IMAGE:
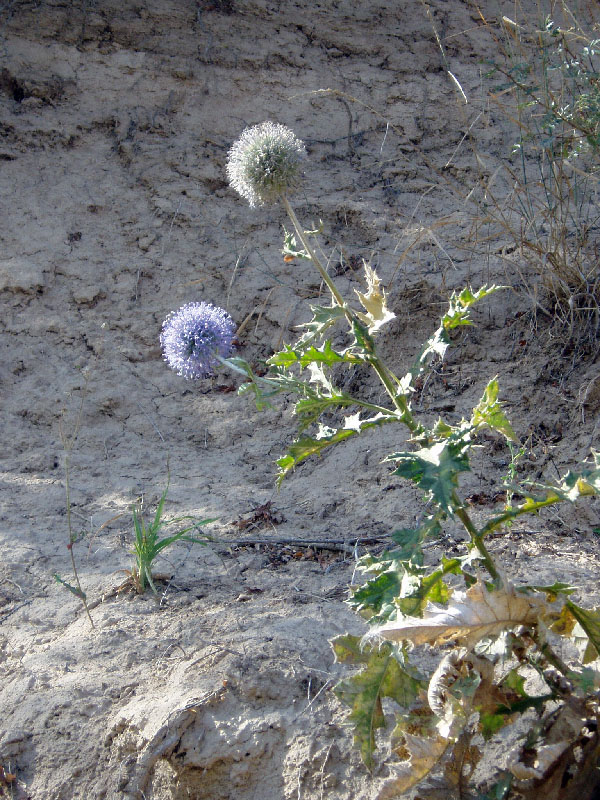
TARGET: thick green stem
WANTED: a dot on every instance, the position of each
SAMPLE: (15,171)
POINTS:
(551,657)
(476,537)
(398,399)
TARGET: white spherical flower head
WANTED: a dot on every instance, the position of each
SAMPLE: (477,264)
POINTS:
(265,163)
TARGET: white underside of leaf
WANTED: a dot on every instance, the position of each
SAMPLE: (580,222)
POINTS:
(472,615)
(374,302)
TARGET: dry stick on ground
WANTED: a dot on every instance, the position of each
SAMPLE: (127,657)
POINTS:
(344,545)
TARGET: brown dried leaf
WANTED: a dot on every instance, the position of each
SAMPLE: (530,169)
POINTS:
(471,616)
(424,755)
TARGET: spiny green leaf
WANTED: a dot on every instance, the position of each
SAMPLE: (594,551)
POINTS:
(374,600)
(323,318)
(307,446)
(284,358)
(457,314)
(312,355)
(409,540)
(382,676)
(573,486)
(441,430)
(418,590)
(262,389)
(327,355)
(460,304)
(489,413)
(290,246)
(310,408)
(348,649)
(435,469)
(363,338)
(580,484)
(552,592)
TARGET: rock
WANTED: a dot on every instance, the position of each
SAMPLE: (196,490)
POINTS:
(21,275)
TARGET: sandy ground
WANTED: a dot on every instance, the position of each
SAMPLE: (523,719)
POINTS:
(115,122)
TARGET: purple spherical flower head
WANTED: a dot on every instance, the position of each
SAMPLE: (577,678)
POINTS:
(194,336)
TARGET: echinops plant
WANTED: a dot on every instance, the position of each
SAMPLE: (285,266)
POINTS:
(495,634)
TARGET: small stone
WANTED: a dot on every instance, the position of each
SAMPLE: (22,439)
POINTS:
(146,241)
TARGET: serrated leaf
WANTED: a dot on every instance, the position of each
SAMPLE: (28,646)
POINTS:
(441,430)
(423,755)
(307,446)
(552,592)
(457,314)
(435,470)
(323,318)
(377,312)
(310,408)
(409,540)
(263,389)
(374,600)
(284,358)
(382,676)
(290,246)
(573,486)
(417,591)
(328,356)
(460,304)
(362,338)
(489,413)
(473,615)
(349,649)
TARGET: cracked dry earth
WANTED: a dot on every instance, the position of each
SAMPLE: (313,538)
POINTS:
(115,122)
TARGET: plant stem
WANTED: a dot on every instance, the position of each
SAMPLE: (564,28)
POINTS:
(313,257)
(550,656)
(71,537)
(398,399)
(68,444)
(476,537)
